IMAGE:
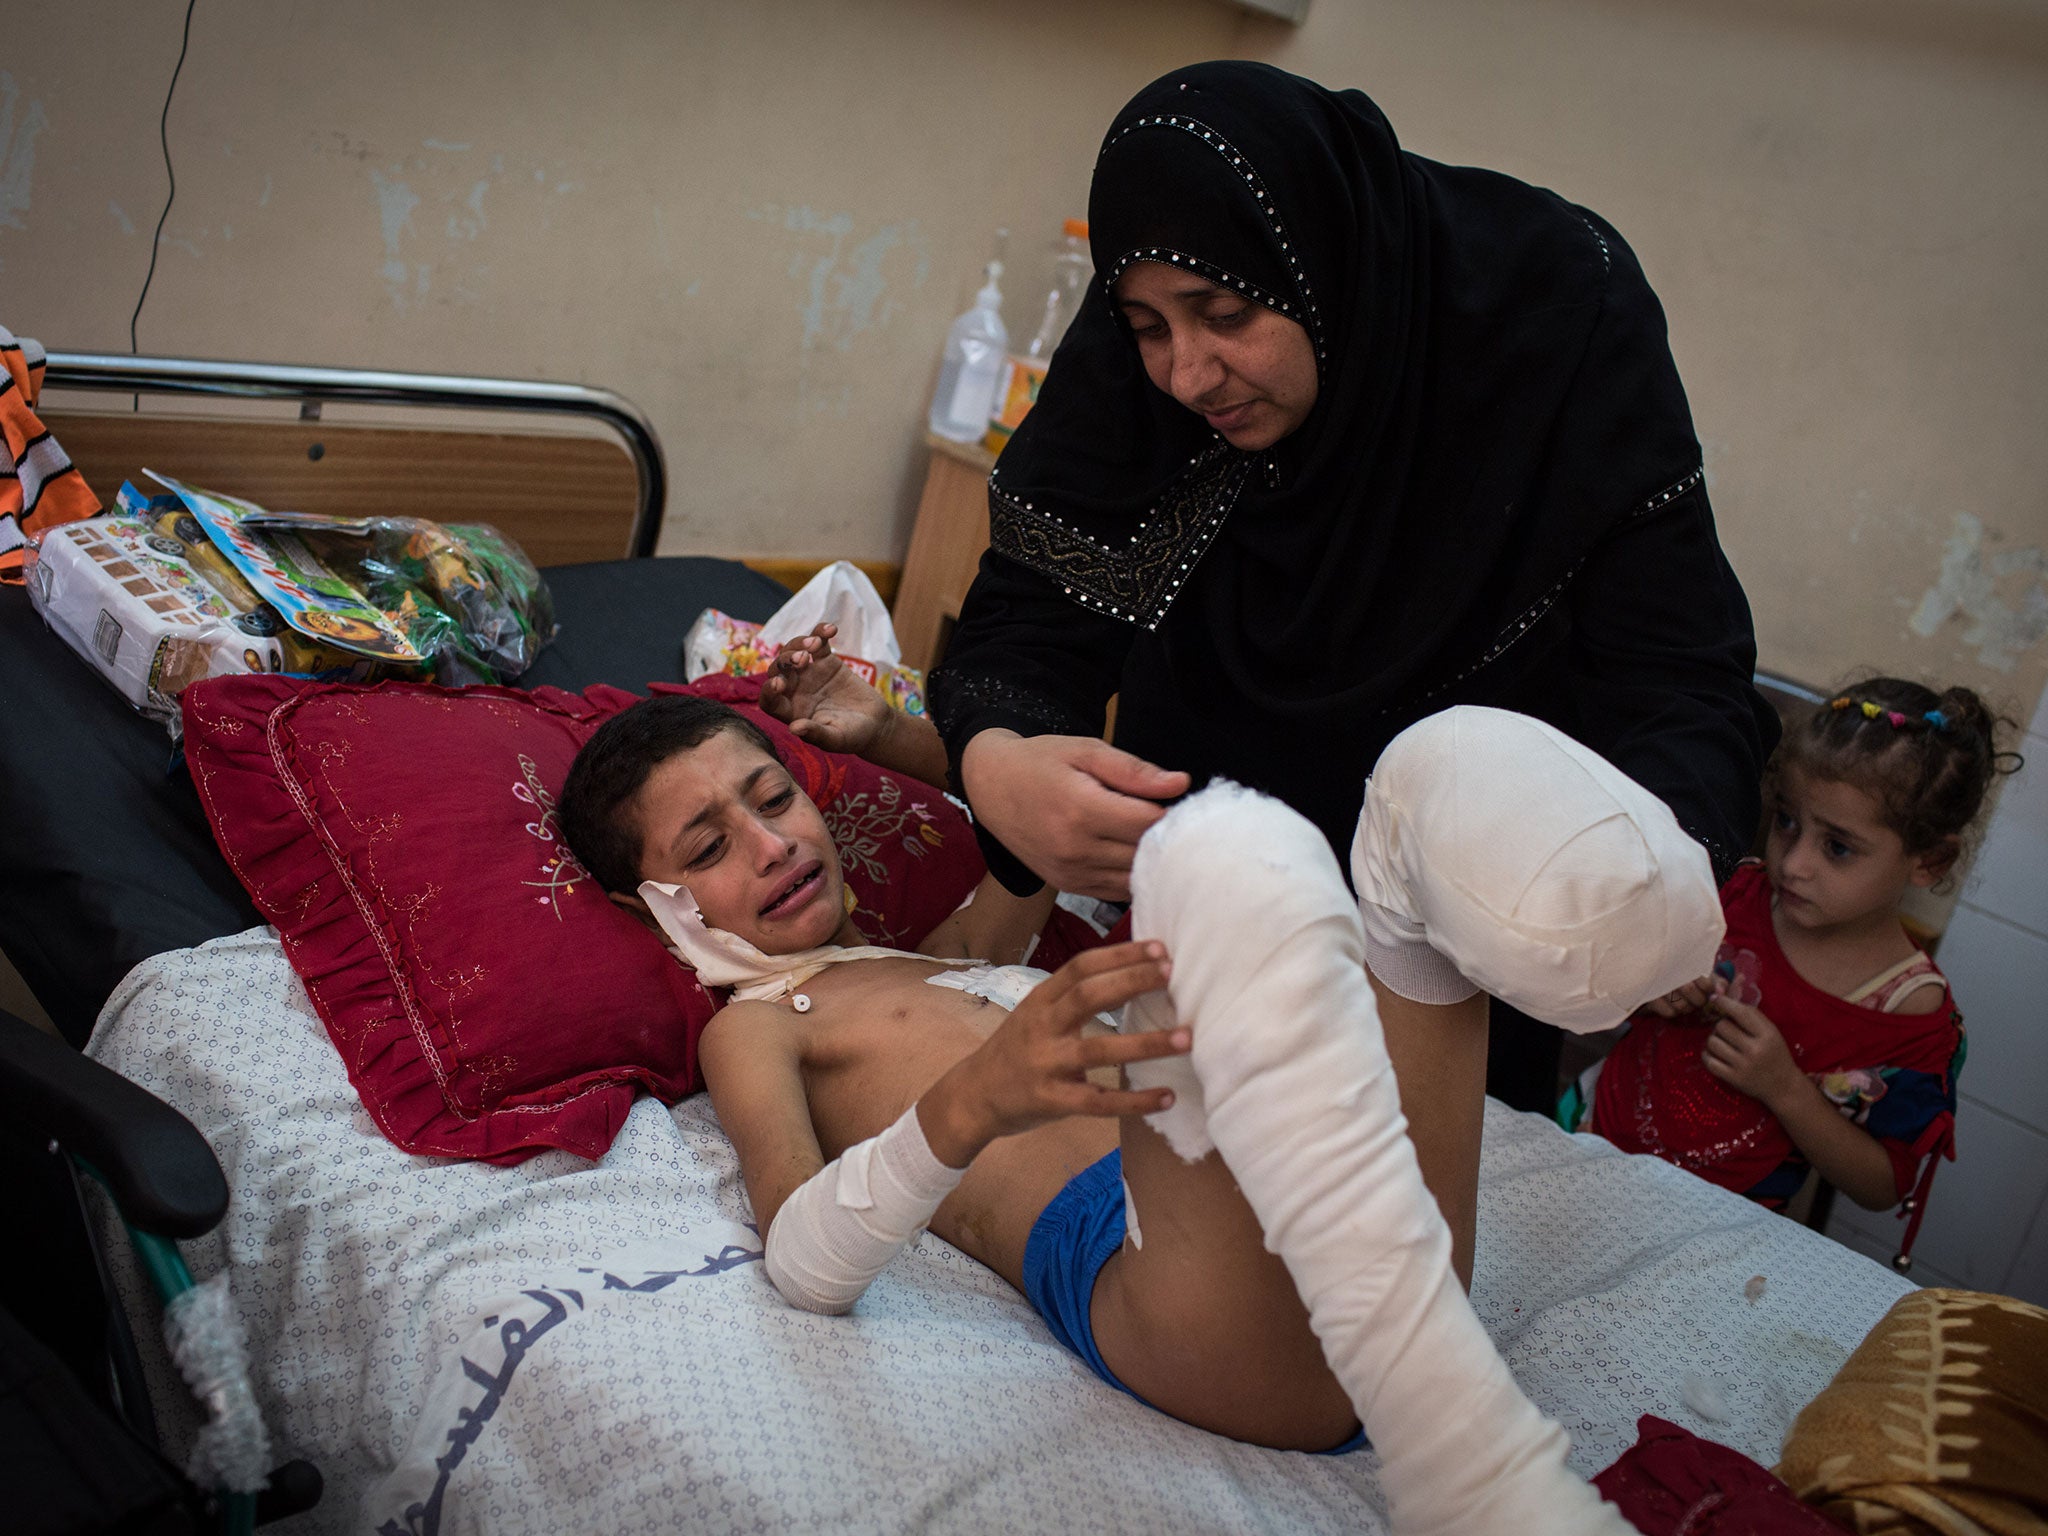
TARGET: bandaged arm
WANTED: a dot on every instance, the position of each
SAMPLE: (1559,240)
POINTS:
(841,1227)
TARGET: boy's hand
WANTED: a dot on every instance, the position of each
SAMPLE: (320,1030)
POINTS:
(1033,1069)
(1746,1052)
(821,699)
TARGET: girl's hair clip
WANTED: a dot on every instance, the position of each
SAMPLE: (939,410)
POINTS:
(1933,719)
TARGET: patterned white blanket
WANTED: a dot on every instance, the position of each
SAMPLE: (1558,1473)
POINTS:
(567,1346)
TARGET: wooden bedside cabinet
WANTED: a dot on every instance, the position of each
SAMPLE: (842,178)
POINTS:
(945,548)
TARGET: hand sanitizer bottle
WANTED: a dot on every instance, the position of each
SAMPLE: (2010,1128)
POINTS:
(972,367)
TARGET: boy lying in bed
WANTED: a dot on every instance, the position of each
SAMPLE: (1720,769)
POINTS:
(1218,1208)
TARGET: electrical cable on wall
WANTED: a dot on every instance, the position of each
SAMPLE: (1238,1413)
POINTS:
(163,132)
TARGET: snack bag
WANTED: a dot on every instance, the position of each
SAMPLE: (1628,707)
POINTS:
(840,593)
(171,523)
(718,642)
(176,588)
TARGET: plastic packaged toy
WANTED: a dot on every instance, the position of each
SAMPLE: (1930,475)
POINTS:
(458,603)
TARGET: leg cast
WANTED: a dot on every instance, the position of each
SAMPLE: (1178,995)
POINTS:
(1495,852)
(1300,1100)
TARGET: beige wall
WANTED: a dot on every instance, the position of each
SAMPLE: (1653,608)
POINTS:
(757,219)
(1841,204)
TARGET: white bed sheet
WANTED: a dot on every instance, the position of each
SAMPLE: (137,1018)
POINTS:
(570,1346)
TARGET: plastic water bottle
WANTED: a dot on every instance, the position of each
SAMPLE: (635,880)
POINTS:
(1023,372)
(973,366)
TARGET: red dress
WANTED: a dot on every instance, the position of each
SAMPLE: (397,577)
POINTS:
(1656,1095)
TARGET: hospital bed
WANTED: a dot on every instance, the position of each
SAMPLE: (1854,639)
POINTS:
(575,1345)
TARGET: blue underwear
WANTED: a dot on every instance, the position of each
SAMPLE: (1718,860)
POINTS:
(1070,1242)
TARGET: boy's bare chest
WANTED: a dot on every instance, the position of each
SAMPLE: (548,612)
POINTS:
(875,1037)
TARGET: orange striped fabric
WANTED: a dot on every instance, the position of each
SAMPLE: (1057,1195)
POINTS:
(39,486)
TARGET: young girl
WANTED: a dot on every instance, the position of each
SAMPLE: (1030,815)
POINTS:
(1825,1039)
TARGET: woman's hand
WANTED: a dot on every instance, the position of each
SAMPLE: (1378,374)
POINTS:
(1034,1068)
(1071,807)
(820,698)
(1746,1052)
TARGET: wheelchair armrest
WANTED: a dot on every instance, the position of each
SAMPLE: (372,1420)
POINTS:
(163,1176)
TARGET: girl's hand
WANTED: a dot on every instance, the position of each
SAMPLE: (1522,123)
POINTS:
(1693,997)
(1033,1069)
(821,699)
(1071,807)
(1746,1052)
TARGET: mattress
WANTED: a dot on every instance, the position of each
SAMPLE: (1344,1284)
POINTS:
(567,1345)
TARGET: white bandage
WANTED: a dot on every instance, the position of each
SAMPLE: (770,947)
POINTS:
(845,1223)
(1496,853)
(723,959)
(1185,1122)
(1301,1102)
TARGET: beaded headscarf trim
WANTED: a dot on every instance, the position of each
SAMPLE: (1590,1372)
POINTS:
(1302,310)
(1138,579)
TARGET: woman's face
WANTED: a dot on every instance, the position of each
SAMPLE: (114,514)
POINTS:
(1247,370)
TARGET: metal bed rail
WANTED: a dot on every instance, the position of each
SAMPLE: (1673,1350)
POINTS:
(1774,685)
(118,373)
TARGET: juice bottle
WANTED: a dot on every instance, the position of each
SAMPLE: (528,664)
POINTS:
(1023,372)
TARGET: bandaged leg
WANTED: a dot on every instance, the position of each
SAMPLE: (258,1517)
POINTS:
(1495,853)
(1298,1096)
(842,1226)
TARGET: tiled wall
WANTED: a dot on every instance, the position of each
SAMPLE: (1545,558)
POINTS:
(1987,1224)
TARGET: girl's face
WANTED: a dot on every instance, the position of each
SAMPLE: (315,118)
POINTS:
(726,820)
(1832,860)
(1247,370)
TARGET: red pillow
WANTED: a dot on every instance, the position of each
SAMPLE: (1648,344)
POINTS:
(488,999)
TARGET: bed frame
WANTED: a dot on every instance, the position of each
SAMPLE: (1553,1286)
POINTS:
(566,495)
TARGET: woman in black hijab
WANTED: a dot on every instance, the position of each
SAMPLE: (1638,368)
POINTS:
(1461,470)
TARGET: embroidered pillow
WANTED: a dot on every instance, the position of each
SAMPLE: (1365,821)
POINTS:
(488,1000)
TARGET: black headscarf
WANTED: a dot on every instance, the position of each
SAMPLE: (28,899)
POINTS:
(1496,392)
